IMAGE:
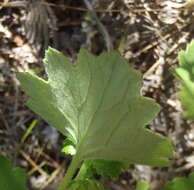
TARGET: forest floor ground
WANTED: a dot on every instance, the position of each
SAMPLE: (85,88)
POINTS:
(149,34)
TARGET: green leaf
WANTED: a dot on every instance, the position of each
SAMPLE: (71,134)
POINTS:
(104,168)
(97,105)
(90,167)
(181,183)
(142,185)
(87,184)
(11,178)
(185,73)
(69,147)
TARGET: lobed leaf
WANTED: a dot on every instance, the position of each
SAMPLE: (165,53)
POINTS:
(97,105)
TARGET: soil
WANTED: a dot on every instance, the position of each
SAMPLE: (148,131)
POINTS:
(149,34)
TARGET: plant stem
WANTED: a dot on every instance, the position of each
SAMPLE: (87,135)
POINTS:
(82,172)
(70,172)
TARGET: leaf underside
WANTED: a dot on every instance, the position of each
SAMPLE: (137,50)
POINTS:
(97,105)
(11,178)
(185,73)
